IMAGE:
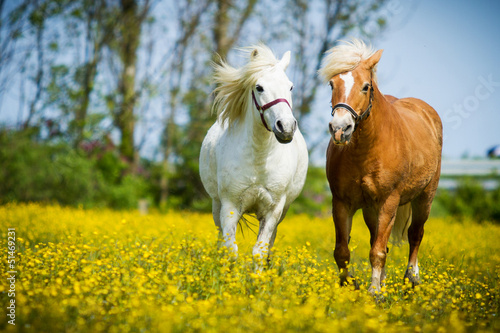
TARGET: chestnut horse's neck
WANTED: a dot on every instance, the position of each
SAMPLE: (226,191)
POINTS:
(381,118)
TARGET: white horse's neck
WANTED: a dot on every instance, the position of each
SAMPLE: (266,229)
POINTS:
(256,134)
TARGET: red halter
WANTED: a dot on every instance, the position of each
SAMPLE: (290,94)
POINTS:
(264,107)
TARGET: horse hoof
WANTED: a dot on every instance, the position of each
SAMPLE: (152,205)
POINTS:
(374,291)
(349,281)
(412,277)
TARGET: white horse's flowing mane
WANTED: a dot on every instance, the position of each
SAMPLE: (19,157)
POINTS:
(234,84)
(345,57)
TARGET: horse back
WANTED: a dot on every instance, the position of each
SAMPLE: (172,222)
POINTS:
(419,118)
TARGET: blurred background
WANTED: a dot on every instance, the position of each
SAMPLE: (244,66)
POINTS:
(105,103)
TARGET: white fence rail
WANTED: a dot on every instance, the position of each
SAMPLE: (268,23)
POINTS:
(453,170)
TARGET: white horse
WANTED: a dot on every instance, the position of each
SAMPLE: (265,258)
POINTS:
(253,159)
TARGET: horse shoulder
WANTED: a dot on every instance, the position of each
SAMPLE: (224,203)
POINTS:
(302,163)
(288,163)
(235,169)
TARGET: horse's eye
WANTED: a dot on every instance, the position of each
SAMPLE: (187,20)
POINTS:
(365,87)
(259,88)
(331,84)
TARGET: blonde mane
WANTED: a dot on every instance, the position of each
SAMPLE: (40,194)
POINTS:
(345,57)
(234,84)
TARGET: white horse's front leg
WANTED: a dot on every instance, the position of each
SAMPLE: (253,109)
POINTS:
(267,234)
(229,218)
(264,242)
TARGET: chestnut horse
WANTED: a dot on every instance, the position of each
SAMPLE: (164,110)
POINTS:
(384,157)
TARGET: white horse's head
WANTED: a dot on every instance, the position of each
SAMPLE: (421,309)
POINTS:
(261,88)
(272,98)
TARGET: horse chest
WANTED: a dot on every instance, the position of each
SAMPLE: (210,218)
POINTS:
(349,190)
(255,193)
(358,187)
(255,181)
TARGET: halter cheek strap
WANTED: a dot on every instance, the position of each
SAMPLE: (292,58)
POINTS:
(264,107)
(357,118)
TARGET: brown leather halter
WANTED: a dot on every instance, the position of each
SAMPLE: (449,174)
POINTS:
(357,118)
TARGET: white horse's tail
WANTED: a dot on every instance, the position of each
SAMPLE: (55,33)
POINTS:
(399,232)
(244,221)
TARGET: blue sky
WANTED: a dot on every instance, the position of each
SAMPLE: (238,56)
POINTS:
(447,53)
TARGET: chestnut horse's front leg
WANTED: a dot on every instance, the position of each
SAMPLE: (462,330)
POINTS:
(342,218)
(378,252)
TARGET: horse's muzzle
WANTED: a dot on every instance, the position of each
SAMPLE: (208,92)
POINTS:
(341,135)
(284,131)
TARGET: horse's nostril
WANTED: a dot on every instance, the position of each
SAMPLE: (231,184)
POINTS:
(348,128)
(279,126)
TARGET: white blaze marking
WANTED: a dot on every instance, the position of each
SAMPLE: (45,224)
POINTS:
(348,83)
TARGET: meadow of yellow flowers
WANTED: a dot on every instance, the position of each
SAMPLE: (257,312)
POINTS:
(105,271)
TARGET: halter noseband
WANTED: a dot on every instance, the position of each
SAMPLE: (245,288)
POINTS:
(264,107)
(357,118)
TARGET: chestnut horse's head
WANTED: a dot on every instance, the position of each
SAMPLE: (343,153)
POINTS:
(350,71)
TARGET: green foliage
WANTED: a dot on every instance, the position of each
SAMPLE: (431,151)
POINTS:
(111,166)
(470,200)
(127,193)
(315,198)
(32,171)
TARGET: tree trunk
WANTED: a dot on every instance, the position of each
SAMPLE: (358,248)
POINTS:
(82,110)
(169,148)
(221,28)
(227,29)
(125,120)
(96,42)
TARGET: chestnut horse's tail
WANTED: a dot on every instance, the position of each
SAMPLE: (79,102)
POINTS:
(403,220)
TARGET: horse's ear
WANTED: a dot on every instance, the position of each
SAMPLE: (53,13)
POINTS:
(285,61)
(374,59)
